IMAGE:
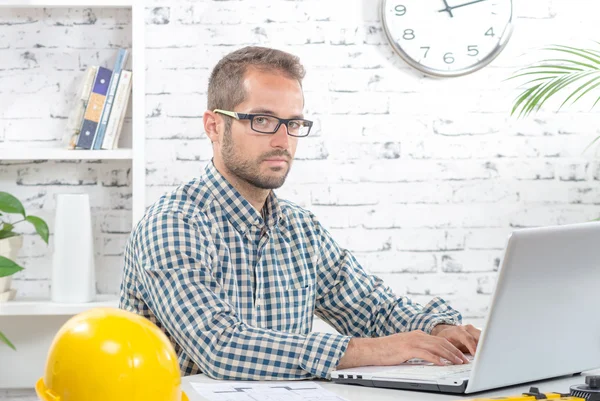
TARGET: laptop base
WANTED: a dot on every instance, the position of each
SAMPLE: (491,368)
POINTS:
(433,387)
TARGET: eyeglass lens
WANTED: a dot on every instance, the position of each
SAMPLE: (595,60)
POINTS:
(269,124)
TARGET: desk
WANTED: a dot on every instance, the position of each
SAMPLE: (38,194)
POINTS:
(359,393)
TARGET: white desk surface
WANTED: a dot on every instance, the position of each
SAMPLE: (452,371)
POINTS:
(359,393)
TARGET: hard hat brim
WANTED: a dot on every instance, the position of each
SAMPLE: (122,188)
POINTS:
(42,391)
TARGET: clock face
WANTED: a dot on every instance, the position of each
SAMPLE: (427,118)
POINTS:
(447,37)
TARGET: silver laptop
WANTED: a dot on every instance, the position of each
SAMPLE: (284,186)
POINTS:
(543,320)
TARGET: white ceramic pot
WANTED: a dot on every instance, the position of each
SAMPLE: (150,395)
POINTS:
(9,248)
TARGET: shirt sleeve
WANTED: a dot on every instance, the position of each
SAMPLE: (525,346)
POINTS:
(179,283)
(361,305)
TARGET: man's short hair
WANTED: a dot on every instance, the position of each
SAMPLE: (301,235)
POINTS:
(225,86)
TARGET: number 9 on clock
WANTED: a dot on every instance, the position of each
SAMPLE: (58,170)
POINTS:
(447,38)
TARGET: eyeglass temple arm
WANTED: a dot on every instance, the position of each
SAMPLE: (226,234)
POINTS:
(227,113)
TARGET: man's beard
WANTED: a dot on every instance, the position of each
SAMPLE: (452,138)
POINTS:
(249,171)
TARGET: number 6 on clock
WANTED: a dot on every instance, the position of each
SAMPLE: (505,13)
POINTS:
(447,38)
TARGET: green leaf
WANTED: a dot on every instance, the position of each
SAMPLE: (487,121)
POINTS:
(596,102)
(593,52)
(6,341)
(7,231)
(563,82)
(524,97)
(590,145)
(553,75)
(580,64)
(8,234)
(549,62)
(585,88)
(534,98)
(10,204)
(7,227)
(540,73)
(533,102)
(577,52)
(40,227)
(8,267)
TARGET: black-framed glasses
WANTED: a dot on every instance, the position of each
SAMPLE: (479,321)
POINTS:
(267,124)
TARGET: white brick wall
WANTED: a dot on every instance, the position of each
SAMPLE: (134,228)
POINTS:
(423,178)
(43,53)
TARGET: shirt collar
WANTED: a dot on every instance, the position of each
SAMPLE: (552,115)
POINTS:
(237,209)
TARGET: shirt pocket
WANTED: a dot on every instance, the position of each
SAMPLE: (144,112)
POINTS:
(289,309)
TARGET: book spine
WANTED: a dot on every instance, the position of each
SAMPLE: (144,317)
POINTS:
(88,82)
(115,123)
(94,108)
(119,65)
(75,119)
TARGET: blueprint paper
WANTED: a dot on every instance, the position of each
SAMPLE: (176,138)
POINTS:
(275,391)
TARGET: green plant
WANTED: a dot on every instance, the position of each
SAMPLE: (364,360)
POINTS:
(550,76)
(11,205)
(574,72)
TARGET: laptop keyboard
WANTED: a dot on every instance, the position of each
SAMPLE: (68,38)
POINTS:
(429,371)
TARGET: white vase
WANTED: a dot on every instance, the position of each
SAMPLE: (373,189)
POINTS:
(73,273)
(9,248)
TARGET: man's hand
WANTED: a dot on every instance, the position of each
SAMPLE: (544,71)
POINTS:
(465,338)
(399,348)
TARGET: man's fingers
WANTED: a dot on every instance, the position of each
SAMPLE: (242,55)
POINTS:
(462,338)
(476,333)
(448,345)
(473,335)
(469,341)
(458,347)
(446,349)
(427,356)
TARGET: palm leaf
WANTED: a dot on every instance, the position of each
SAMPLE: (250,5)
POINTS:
(553,75)
(568,80)
(524,96)
(588,86)
(5,340)
(584,53)
(580,67)
(590,145)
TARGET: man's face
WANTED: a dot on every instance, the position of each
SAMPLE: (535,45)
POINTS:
(263,160)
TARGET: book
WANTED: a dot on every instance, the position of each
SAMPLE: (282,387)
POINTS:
(93,111)
(117,116)
(75,119)
(119,65)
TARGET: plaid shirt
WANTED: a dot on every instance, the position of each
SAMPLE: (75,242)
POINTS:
(236,294)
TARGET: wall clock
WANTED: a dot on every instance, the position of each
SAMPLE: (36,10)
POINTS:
(447,38)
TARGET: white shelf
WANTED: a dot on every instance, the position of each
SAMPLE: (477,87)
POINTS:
(66,3)
(32,324)
(33,307)
(64,154)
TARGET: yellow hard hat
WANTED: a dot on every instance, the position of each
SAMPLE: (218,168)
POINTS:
(108,354)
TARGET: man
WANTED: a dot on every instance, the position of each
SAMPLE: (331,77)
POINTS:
(233,275)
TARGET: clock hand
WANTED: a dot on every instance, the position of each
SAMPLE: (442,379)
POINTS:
(449,9)
(468,4)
